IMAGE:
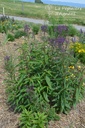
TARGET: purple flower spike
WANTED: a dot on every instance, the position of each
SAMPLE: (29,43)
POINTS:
(57,41)
(60,40)
(7,58)
(44,28)
(26,28)
(81,31)
(61,28)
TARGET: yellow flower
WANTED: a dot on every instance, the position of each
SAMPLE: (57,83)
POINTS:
(79,67)
(81,51)
(72,75)
(66,77)
(71,67)
(83,84)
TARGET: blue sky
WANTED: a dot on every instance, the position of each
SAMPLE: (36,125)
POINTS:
(73,1)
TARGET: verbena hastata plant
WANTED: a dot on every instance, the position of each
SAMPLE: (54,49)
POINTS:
(48,79)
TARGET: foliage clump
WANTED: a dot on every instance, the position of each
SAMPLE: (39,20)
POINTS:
(46,80)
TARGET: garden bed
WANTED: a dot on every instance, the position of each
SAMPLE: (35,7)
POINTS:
(8,119)
(43,75)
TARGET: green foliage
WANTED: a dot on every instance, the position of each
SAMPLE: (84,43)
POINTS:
(9,66)
(5,24)
(51,114)
(31,119)
(19,33)
(72,31)
(9,25)
(46,79)
(35,29)
(60,20)
(10,37)
(44,72)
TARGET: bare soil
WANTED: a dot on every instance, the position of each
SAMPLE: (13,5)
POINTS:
(8,119)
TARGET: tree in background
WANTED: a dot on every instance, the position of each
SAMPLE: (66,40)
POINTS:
(38,1)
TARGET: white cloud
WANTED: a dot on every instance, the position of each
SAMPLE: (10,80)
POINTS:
(76,1)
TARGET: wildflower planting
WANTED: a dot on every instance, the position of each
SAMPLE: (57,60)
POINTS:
(12,28)
(45,79)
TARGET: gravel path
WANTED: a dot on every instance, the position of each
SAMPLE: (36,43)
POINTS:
(39,21)
(78,27)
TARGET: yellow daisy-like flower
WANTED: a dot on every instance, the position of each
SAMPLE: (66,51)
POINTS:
(71,67)
(81,51)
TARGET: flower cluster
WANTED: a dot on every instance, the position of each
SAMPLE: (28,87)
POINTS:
(44,28)
(71,67)
(58,42)
(79,51)
(78,47)
(7,58)
(60,29)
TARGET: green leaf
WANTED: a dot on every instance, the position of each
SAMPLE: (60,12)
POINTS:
(48,82)
(46,59)
(45,96)
(77,94)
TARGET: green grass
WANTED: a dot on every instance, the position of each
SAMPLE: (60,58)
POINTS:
(41,11)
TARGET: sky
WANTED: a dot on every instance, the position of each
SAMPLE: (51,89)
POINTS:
(73,1)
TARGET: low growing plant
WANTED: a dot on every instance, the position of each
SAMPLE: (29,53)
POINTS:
(10,37)
(31,119)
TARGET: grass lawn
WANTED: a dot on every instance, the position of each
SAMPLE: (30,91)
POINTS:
(43,11)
